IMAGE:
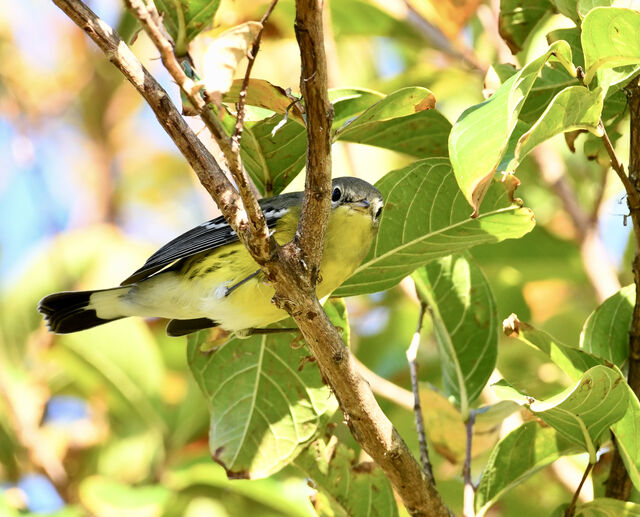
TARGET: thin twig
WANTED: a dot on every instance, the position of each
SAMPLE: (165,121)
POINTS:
(242,96)
(572,507)
(469,488)
(412,353)
(257,226)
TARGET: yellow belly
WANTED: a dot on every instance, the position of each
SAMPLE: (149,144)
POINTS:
(199,288)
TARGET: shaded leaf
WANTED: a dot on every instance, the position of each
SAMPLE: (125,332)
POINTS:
(426,217)
(609,40)
(266,398)
(516,457)
(518,18)
(573,37)
(349,102)
(273,160)
(465,322)
(585,411)
(479,138)
(606,331)
(445,426)
(352,489)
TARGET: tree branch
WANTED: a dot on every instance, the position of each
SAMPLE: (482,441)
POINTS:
(619,483)
(369,425)
(319,111)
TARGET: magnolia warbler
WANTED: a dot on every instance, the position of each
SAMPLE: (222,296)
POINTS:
(206,278)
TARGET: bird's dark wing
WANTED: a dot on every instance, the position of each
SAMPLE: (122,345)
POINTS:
(207,236)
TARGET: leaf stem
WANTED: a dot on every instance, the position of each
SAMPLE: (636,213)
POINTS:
(412,353)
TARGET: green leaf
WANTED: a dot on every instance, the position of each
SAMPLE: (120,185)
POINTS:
(109,358)
(568,8)
(516,457)
(584,6)
(606,331)
(479,138)
(266,399)
(518,18)
(605,507)
(609,40)
(425,218)
(104,496)
(349,102)
(573,108)
(573,361)
(572,36)
(465,322)
(351,489)
(585,411)
(185,19)
(627,433)
(270,496)
(264,94)
(273,160)
(390,121)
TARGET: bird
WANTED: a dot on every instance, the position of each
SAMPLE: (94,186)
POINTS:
(206,278)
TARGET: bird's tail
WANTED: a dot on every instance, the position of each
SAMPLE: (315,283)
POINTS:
(78,310)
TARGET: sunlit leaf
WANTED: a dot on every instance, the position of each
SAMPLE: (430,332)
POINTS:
(426,217)
(606,331)
(465,323)
(223,55)
(265,95)
(351,489)
(572,360)
(185,19)
(585,411)
(606,507)
(479,138)
(609,40)
(403,102)
(516,457)
(266,398)
(518,18)
(573,108)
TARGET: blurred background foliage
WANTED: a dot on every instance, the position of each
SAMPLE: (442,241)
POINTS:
(110,421)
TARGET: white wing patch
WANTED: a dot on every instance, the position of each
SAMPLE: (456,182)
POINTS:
(210,225)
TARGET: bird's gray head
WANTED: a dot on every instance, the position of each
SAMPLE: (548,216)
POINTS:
(357,194)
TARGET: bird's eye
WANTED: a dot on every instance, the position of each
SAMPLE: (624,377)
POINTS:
(336,194)
(378,213)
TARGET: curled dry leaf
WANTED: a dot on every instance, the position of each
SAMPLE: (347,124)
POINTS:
(223,55)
